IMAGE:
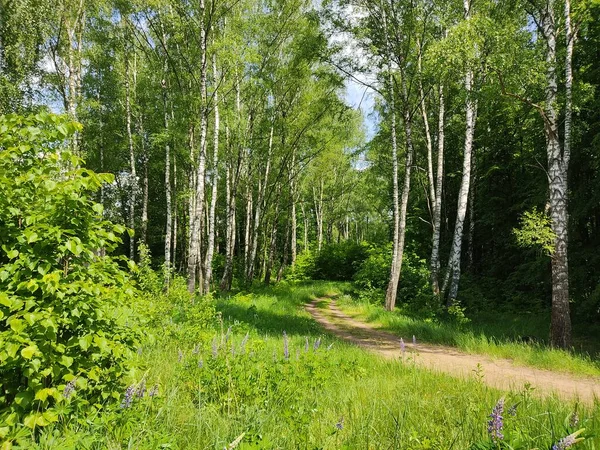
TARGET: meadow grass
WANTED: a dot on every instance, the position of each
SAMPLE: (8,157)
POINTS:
(496,336)
(234,380)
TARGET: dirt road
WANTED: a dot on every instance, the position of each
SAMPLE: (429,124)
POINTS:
(499,373)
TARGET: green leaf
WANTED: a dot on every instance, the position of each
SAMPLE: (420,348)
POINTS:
(12,254)
(29,352)
(66,361)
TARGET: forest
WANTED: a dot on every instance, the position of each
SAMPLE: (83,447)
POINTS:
(269,224)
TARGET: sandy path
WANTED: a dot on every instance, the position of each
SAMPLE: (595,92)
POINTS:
(498,373)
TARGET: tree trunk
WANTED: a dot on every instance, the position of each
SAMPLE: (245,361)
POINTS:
(471,208)
(194,255)
(215,180)
(400,210)
(132,176)
(169,208)
(230,192)
(145,186)
(558,163)
(437,212)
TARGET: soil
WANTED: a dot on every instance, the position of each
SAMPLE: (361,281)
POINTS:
(498,373)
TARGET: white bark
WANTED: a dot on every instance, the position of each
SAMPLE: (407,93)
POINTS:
(437,212)
(132,175)
(169,207)
(215,179)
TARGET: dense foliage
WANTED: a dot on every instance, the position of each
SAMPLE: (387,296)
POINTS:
(64,338)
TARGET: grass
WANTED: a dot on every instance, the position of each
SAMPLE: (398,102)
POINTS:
(496,336)
(337,397)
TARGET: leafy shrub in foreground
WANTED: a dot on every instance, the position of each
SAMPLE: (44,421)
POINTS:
(62,343)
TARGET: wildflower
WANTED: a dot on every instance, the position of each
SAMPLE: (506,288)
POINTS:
(227,335)
(414,341)
(340,424)
(215,350)
(305,344)
(574,420)
(200,363)
(139,351)
(196,349)
(568,441)
(244,342)
(180,355)
(402,346)
(286,350)
(317,344)
(128,399)
(512,411)
(69,388)
(330,346)
(141,390)
(154,391)
(496,422)
(232,350)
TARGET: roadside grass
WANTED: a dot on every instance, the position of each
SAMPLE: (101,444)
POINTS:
(235,382)
(497,337)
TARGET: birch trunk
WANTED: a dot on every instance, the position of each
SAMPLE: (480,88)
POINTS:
(133,175)
(169,208)
(215,179)
(194,257)
(145,186)
(437,212)
(401,209)
(558,163)
(230,192)
(463,195)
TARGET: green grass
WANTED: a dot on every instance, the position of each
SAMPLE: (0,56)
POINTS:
(495,336)
(295,403)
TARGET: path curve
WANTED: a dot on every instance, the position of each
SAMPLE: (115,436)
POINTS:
(498,373)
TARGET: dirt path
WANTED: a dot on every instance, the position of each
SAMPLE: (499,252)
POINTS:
(498,373)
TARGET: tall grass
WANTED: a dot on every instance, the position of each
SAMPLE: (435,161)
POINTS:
(334,396)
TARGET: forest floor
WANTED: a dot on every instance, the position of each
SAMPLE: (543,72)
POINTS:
(498,373)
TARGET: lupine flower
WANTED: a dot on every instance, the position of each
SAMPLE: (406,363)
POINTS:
(154,391)
(496,422)
(227,335)
(317,344)
(330,346)
(286,350)
(243,344)
(196,349)
(141,390)
(215,349)
(402,346)
(414,341)
(200,363)
(232,350)
(305,344)
(139,351)
(128,399)
(69,388)
(574,420)
(340,424)
(179,355)
(568,441)
(512,411)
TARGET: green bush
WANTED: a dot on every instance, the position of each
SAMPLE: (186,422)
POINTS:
(64,338)
(339,261)
(304,267)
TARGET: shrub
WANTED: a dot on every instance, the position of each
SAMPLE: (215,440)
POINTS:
(339,261)
(304,267)
(64,340)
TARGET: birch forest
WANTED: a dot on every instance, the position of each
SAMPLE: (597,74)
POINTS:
(194,195)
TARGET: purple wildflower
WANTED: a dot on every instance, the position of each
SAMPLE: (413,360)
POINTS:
(227,335)
(568,441)
(340,424)
(154,391)
(200,363)
(128,399)
(317,344)
(244,342)
(496,422)
(196,349)
(286,350)
(215,349)
(141,389)
(179,355)
(330,346)
(305,344)
(69,388)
